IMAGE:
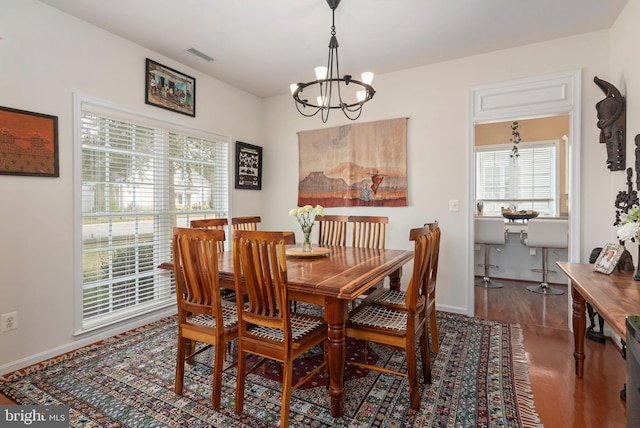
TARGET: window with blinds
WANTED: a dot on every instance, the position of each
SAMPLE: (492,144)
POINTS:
(140,178)
(530,182)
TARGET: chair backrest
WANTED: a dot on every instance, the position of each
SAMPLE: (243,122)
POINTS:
(260,269)
(435,255)
(547,233)
(195,267)
(211,224)
(332,230)
(423,249)
(488,230)
(368,231)
(245,223)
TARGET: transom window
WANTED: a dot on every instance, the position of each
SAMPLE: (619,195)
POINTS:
(530,182)
(139,179)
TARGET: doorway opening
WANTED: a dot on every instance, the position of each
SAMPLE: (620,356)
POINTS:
(526,101)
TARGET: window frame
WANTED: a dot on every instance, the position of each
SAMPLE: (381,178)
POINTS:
(555,172)
(162,229)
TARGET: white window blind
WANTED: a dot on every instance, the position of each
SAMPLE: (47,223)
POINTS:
(138,182)
(529,182)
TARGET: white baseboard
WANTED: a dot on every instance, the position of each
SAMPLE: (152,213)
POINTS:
(86,340)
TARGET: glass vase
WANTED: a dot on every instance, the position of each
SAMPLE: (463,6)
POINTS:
(306,242)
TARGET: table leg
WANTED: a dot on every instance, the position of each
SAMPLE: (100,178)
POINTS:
(394,279)
(579,324)
(336,313)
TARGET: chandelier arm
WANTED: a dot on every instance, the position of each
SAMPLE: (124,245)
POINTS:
(307,114)
(325,82)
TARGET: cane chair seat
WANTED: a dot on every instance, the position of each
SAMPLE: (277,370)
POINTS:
(300,326)
(397,298)
(229,317)
(388,297)
(380,317)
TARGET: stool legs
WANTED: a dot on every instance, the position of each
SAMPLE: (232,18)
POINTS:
(544,288)
(485,281)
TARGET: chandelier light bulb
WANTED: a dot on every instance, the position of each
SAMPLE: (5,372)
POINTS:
(322,101)
(361,95)
(293,88)
(321,72)
(367,77)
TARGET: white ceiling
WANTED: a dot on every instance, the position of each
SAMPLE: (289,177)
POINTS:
(262,46)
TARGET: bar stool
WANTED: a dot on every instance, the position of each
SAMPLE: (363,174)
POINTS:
(545,234)
(489,231)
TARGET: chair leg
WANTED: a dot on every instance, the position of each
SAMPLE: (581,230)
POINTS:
(486,281)
(181,354)
(433,328)
(218,362)
(544,288)
(412,373)
(425,356)
(241,375)
(287,387)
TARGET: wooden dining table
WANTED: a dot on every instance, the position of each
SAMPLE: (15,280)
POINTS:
(332,281)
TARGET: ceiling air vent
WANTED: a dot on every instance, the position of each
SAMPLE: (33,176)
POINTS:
(199,54)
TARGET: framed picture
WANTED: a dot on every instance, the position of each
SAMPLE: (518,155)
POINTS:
(248,166)
(28,143)
(608,258)
(169,89)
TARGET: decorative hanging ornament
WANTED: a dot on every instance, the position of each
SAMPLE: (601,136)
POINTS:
(515,139)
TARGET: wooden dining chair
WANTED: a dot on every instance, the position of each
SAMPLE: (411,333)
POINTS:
(267,327)
(397,298)
(203,317)
(211,224)
(245,223)
(332,230)
(368,231)
(400,328)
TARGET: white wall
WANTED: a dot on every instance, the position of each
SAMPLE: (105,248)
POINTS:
(435,98)
(45,57)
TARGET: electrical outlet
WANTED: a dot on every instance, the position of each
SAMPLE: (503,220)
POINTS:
(9,321)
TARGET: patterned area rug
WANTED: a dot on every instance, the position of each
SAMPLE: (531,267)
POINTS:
(479,379)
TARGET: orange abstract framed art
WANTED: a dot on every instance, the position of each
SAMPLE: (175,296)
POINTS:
(28,143)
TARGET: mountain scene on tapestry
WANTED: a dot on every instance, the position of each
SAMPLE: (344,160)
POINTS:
(362,164)
(480,378)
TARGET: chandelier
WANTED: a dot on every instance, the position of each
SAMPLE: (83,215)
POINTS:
(330,87)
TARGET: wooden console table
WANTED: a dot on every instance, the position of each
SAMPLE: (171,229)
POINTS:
(613,296)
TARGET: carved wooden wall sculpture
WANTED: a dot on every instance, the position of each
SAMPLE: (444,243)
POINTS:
(612,121)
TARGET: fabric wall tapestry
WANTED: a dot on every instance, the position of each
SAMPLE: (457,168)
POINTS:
(361,164)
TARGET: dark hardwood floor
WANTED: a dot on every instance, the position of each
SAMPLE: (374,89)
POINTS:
(560,398)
